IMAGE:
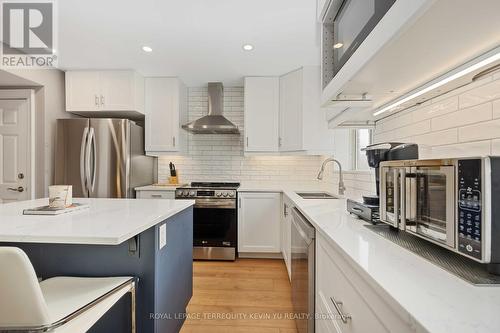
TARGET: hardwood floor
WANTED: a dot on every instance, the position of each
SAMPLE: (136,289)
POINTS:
(245,296)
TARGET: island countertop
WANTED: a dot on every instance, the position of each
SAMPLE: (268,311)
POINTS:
(105,222)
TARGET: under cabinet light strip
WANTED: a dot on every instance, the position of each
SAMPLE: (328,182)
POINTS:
(478,63)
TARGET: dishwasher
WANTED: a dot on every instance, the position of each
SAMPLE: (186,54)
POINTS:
(303,272)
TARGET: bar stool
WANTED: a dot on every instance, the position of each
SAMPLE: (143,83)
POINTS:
(59,304)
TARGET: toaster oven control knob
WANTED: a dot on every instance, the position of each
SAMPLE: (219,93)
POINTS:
(469,248)
(191,193)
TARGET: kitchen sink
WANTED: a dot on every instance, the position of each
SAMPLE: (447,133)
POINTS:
(316,195)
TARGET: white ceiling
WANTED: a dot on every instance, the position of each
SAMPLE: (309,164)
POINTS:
(197,40)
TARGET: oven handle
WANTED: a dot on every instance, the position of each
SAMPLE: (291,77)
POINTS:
(211,203)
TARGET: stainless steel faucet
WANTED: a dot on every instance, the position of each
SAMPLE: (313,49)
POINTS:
(341,178)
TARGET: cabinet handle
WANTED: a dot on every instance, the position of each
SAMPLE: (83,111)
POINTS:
(279,142)
(239,202)
(155,195)
(102,100)
(173,141)
(345,318)
(247,141)
(96,100)
(285,210)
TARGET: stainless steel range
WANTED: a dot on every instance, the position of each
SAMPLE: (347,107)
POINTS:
(215,219)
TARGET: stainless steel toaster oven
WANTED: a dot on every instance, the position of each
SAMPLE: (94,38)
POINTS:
(454,203)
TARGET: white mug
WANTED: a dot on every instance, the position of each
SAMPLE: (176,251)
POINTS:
(60,196)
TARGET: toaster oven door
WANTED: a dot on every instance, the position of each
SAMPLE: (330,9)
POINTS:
(393,196)
(431,211)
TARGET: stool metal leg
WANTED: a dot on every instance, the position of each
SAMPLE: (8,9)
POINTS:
(132,306)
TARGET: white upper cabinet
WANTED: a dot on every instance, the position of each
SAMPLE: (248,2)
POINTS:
(105,93)
(283,114)
(166,111)
(302,121)
(262,114)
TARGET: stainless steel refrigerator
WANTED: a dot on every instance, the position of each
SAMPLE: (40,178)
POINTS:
(102,158)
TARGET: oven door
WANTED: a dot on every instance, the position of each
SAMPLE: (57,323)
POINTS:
(432,203)
(393,196)
(215,223)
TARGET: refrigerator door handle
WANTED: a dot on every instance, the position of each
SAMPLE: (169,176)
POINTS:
(83,156)
(87,159)
(94,158)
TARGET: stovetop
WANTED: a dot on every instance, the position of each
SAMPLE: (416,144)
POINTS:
(213,185)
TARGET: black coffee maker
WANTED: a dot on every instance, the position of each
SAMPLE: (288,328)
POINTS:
(376,153)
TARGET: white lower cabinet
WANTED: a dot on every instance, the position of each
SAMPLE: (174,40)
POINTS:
(286,233)
(155,194)
(259,222)
(347,303)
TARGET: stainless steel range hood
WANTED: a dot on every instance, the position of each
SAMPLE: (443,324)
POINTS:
(214,122)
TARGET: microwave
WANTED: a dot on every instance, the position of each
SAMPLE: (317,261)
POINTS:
(346,24)
(454,203)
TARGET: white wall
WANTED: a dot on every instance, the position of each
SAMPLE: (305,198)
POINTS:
(463,122)
(220,157)
(50,105)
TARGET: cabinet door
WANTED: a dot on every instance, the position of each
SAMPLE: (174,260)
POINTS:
(117,90)
(291,111)
(162,114)
(261,114)
(259,222)
(82,91)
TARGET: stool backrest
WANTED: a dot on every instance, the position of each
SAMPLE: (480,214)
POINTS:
(21,299)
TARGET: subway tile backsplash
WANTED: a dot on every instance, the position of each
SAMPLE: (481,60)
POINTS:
(221,157)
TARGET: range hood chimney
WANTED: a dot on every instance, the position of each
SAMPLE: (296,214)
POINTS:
(214,122)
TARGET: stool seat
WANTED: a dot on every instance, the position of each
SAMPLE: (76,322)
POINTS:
(60,304)
(66,295)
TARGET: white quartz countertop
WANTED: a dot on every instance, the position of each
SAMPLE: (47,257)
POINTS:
(105,222)
(437,300)
(268,186)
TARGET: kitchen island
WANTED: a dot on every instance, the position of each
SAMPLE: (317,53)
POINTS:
(148,239)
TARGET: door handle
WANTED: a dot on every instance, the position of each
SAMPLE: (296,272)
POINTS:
(344,317)
(18,189)
(94,158)
(102,100)
(83,158)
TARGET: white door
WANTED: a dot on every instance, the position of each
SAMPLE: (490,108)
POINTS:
(14,150)
(291,111)
(82,91)
(117,90)
(162,114)
(259,222)
(261,114)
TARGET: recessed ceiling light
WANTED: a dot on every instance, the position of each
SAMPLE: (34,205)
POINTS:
(248,47)
(147,49)
(338,45)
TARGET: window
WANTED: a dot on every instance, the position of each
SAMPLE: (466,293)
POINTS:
(362,138)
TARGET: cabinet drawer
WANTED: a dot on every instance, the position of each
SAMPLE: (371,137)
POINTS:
(334,286)
(156,194)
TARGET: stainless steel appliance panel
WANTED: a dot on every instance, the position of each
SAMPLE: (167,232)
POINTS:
(303,272)
(142,167)
(71,154)
(109,162)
